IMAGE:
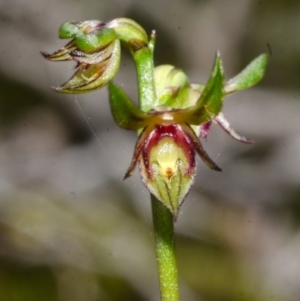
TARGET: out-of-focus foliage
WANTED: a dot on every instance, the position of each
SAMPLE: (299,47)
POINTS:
(70,229)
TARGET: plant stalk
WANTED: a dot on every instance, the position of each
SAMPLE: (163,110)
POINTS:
(163,223)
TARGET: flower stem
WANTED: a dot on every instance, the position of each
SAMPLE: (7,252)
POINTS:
(162,218)
(143,59)
(165,252)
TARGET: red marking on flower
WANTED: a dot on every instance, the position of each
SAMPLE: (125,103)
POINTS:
(181,139)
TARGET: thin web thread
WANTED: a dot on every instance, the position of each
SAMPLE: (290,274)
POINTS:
(135,188)
(90,126)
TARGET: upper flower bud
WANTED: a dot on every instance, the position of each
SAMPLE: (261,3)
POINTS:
(95,46)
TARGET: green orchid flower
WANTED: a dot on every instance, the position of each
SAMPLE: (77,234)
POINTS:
(173,119)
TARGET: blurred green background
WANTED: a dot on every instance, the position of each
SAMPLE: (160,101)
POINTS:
(72,230)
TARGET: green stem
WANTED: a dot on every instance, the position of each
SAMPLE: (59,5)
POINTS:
(165,252)
(144,67)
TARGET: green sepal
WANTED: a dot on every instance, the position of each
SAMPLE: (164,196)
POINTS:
(250,76)
(125,113)
(96,40)
(210,101)
(212,95)
(68,30)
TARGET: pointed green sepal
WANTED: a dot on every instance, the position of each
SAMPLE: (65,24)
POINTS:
(126,114)
(212,95)
(210,101)
(250,76)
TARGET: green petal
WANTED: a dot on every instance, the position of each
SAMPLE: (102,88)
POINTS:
(250,76)
(126,114)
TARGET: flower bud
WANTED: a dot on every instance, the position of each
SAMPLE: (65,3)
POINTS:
(173,88)
(95,48)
